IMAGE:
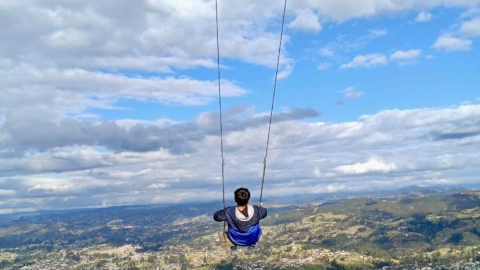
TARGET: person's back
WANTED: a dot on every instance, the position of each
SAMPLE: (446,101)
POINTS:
(243,219)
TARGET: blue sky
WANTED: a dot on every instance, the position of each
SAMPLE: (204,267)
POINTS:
(426,81)
(107,103)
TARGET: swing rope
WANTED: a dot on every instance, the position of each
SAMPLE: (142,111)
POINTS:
(220,109)
(271,110)
(273,103)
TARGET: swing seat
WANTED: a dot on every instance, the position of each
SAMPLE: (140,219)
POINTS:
(224,240)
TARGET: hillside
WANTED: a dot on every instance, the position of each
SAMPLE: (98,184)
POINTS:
(356,233)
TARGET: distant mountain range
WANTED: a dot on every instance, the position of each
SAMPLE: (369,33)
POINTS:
(327,198)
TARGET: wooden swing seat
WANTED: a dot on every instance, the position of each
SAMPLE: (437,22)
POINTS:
(224,240)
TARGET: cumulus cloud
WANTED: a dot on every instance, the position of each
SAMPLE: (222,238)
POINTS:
(372,165)
(470,12)
(372,60)
(164,35)
(155,36)
(80,82)
(159,35)
(135,137)
(424,17)
(285,72)
(471,28)
(306,20)
(449,44)
(344,10)
(428,145)
(179,34)
(405,56)
(459,37)
(369,60)
(349,93)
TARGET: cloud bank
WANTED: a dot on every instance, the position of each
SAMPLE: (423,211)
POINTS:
(174,162)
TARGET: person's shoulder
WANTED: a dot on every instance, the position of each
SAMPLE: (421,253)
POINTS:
(230,208)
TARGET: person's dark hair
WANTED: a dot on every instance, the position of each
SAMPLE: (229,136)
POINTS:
(242,195)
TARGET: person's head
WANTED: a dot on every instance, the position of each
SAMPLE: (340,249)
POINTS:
(242,196)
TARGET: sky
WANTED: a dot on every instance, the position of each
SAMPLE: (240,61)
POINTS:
(115,102)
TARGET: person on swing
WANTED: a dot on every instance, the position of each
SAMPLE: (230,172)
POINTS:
(243,220)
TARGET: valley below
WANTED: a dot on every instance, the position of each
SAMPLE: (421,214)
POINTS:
(415,229)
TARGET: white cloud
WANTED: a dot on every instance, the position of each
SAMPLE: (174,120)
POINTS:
(448,44)
(128,123)
(336,188)
(424,16)
(404,56)
(156,36)
(162,36)
(326,52)
(4,192)
(306,20)
(324,66)
(471,12)
(426,145)
(351,93)
(369,60)
(372,165)
(81,85)
(471,28)
(458,38)
(372,60)
(152,63)
(157,186)
(343,10)
(342,44)
(285,72)
(374,33)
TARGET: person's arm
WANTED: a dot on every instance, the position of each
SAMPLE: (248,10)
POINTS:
(220,216)
(262,212)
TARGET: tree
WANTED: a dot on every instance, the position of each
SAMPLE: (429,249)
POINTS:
(151,259)
(182,259)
